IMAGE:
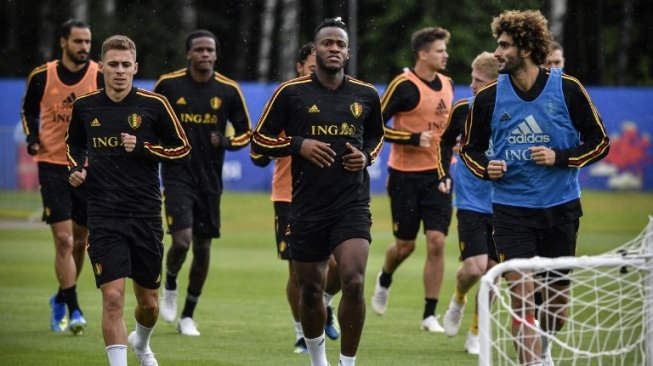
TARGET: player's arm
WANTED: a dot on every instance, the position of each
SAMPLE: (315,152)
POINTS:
(267,138)
(239,118)
(258,159)
(76,149)
(400,97)
(449,139)
(31,108)
(373,134)
(595,142)
(477,133)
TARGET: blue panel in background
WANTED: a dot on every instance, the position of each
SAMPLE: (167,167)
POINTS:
(626,112)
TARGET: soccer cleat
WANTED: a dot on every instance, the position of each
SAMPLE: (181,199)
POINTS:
(331,327)
(77,323)
(58,319)
(168,305)
(145,357)
(186,326)
(300,346)
(453,317)
(380,297)
(431,324)
(472,344)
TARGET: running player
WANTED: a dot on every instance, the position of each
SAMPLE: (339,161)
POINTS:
(473,200)
(333,129)
(420,101)
(281,198)
(51,90)
(124,132)
(543,127)
(204,101)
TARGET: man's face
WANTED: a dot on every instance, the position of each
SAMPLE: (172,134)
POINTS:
(308,67)
(555,59)
(331,49)
(119,68)
(202,54)
(479,80)
(77,46)
(435,55)
(509,56)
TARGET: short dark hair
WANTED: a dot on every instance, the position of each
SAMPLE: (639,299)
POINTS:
(423,38)
(199,34)
(69,24)
(556,46)
(331,22)
(304,52)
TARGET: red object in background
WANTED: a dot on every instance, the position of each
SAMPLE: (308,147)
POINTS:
(27,170)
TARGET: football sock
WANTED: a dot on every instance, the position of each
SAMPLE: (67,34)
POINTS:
(189,306)
(142,339)
(70,295)
(429,307)
(328,298)
(299,331)
(347,361)
(474,327)
(117,354)
(171,281)
(317,351)
(385,279)
(460,297)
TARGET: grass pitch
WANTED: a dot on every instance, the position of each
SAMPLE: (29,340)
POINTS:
(242,314)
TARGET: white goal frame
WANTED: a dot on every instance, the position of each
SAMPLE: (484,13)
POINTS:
(637,253)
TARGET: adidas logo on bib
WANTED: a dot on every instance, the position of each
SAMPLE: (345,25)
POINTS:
(528,132)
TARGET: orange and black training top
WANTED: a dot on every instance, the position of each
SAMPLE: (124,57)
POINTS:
(51,90)
(416,105)
(122,184)
(303,108)
(203,109)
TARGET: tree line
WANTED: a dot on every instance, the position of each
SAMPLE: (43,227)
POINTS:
(606,42)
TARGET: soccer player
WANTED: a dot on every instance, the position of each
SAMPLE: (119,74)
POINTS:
(333,129)
(204,101)
(51,90)
(281,198)
(473,201)
(420,101)
(124,132)
(556,57)
(543,127)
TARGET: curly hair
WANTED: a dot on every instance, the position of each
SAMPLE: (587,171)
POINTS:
(528,29)
(424,37)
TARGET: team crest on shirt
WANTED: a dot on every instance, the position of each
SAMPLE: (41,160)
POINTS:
(134,120)
(97,269)
(216,103)
(462,246)
(356,109)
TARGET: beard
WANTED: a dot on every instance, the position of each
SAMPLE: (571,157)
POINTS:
(77,58)
(512,65)
(331,70)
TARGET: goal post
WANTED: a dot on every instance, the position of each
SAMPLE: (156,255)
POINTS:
(609,311)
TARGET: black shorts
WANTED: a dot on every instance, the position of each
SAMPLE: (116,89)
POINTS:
(188,208)
(119,247)
(475,235)
(315,241)
(281,211)
(61,201)
(519,241)
(414,197)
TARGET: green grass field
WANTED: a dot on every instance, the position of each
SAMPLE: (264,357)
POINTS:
(243,314)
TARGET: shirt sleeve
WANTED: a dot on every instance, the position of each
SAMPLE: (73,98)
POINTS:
(239,118)
(76,149)
(400,96)
(373,134)
(586,119)
(449,139)
(266,138)
(172,144)
(31,108)
(476,137)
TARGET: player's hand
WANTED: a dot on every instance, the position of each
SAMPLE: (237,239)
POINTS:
(542,155)
(215,138)
(445,185)
(317,152)
(425,139)
(77,178)
(496,169)
(128,141)
(355,160)
(33,149)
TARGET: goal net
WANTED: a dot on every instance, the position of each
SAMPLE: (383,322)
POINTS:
(609,319)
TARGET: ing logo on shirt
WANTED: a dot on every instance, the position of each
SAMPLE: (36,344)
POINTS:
(345,129)
(216,103)
(134,120)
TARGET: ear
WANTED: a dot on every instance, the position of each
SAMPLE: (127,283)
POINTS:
(525,53)
(62,42)
(348,54)
(135,68)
